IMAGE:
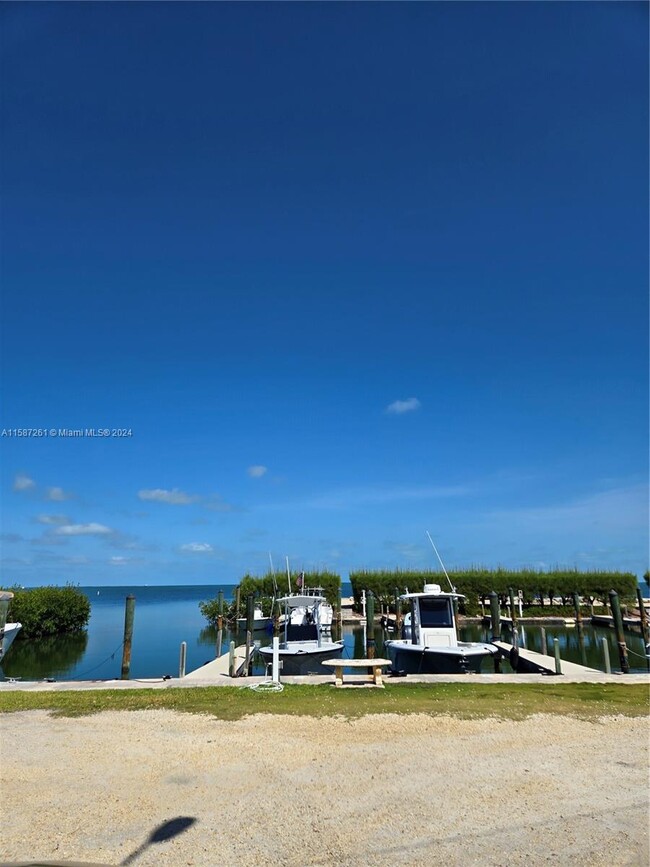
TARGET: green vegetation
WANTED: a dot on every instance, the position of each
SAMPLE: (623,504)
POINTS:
(49,610)
(264,590)
(476,584)
(468,701)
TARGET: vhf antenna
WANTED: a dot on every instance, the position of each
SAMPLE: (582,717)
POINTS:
(453,589)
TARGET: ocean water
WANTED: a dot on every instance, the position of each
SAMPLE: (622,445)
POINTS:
(166,616)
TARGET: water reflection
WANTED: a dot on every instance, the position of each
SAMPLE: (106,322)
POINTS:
(53,656)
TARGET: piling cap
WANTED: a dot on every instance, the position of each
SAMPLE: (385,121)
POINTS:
(432,588)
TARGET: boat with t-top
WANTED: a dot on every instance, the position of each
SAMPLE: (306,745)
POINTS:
(430,645)
(305,643)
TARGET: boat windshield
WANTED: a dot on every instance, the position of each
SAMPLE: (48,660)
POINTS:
(435,612)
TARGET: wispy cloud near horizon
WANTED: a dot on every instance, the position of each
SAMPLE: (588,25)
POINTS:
(369,496)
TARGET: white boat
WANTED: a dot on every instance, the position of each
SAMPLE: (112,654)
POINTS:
(305,644)
(7,635)
(260,622)
(298,613)
(429,643)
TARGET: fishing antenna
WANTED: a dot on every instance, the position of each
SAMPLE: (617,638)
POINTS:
(453,589)
(275,586)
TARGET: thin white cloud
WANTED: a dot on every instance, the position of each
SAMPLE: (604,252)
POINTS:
(399,407)
(174,497)
(257,471)
(198,548)
(372,496)
(53,519)
(23,483)
(83,530)
(57,494)
(118,561)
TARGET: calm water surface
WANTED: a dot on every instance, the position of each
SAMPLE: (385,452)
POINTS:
(166,616)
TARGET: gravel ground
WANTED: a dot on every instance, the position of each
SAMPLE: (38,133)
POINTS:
(381,790)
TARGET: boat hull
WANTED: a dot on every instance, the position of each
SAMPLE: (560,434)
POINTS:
(259,625)
(304,657)
(416,659)
(7,636)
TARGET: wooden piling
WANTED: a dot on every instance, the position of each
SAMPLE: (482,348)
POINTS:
(513,610)
(220,624)
(250,613)
(249,652)
(543,636)
(370,633)
(237,608)
(129,614)
(576,607)
(618,626)
(398,613)
(495,616)
(645,632)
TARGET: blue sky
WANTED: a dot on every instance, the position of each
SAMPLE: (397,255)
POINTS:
(347,272)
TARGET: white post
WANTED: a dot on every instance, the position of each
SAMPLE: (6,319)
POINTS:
(363,602)
(275,670)
(521,606)
(183,657)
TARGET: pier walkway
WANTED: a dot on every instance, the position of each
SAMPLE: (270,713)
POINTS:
(220,667)
(531,661)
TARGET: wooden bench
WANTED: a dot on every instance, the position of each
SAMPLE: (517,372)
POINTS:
(373,666)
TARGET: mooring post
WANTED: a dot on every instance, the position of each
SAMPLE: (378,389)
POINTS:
(249,652)
(237,608)
(513,610)
(370,640)
(220,624)
(129,612)
(578,611)
(495,616)
(398,613)
(544,644)
(618,626)
(231,659)
(558,661)
(644,617)
(605,646)
(275,669)
(182,660)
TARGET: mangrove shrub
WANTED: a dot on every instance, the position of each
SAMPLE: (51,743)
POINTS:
(49,610)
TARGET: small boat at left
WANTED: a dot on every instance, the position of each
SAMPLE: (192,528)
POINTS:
(260,622)
(8,631)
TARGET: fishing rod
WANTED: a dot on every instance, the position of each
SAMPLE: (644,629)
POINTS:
(453,589)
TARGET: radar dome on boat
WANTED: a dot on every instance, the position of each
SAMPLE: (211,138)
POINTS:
(432,588)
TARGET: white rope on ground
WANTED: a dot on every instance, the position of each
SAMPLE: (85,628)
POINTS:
(267,686)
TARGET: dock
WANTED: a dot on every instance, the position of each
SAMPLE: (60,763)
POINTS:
(633,624)
(531,662)
(219,667)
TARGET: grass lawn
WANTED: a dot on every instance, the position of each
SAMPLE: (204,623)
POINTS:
(468,701)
